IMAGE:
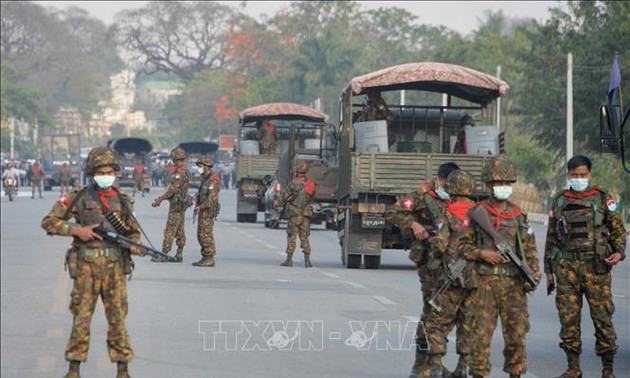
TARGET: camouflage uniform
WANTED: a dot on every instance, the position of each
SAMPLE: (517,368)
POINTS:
(64,178)
(584,228)
(425,207)
(208,207)
(296,200)
(36,175)
(268,138)
(501,292)
(99,266)
(376,109)
(179,200)
(456,302)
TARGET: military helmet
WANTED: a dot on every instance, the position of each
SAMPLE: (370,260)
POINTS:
(101,157)
(498,169)
(205,160)
(460,183)
(300,166)
(179,153)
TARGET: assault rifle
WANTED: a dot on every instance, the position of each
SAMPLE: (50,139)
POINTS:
(455,274)
(480,215)
(120,239)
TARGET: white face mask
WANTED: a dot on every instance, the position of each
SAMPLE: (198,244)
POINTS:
(502,193)
(200,170)
(578,184)
(442,194)
(104,181)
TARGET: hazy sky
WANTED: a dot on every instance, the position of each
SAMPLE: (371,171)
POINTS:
(461,16)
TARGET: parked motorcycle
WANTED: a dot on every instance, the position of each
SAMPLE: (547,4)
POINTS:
(10,187)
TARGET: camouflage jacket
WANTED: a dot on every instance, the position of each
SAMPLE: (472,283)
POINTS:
(294,195)
(422,206)
(177,189)
(87,211)
(583,222)
(512,225)
(208,194)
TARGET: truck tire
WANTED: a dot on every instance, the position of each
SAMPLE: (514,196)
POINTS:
(372,261)
(331,225)
(353,261)
(241,218)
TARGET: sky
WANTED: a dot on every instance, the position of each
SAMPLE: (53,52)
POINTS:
(461,16)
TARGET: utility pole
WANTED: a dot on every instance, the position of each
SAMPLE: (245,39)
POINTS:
(569,106)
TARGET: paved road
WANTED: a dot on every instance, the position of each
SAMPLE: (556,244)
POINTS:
(248,316)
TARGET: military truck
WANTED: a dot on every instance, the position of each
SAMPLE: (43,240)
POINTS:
(55,150)
(296,127)
(130,151)
(374,173)
(194,151)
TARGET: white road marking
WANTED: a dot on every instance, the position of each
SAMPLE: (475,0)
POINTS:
(271,246)
(357,285)
(383,300)
(331,275)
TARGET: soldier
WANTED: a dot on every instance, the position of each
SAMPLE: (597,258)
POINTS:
(376,109)
(207,210)
(36,175)
(295,198)
(501,291)
(460,144)
(418,212)
(98,267)
(268,137)
(64,178)
(179,200)
(585,239)
(138,178)
(456,301)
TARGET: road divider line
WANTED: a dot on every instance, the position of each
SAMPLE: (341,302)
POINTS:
(356,284)
(331,275)
(270,246)
(383,300)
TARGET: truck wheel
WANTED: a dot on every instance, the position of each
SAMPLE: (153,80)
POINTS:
(331,225)
(240,218)
(353,261)
(372,261)
(267,220)
(251,218)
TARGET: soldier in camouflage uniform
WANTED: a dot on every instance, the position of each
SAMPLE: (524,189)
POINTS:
(376,109)
(98,267)
(456,301)
(418,213)
(64,178)
(585,239)
(177,195)
(501,293)
(295,198)
(36,175)
(138,178)
(267,137)
(207,209)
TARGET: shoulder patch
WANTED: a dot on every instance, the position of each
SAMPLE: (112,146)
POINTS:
(408,203)
(65,199)
(611,204)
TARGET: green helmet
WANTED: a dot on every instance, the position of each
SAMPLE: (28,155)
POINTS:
(205,160)
(460,183)
(498,169)
(179,153)
(101,157)
(301,166)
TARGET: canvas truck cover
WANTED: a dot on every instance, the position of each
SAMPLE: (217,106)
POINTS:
(199,148)
(458,81)
(130,147)
(282,111)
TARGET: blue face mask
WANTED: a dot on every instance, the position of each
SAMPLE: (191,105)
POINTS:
(502,193)
(442,194)
(578,184)
(104,181)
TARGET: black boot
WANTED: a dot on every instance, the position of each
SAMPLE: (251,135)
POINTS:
(288,261)
(307,261)
(607,365)
(73,370)
(123,370)
(573,369)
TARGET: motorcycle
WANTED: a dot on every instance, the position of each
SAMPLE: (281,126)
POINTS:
(10,187)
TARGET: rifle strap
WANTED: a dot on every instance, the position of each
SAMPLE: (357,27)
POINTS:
(109,215)
(519,243)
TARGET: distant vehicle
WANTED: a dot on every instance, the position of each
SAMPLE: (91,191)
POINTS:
(55,150)
(194,151)
(297,128)
(381,162)
(130,151)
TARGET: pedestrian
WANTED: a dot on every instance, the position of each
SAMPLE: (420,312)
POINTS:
(585,239)
(207,209)
(36,175)
(418,213)
(64,178)
(179,200)
(225,175)
(138,177)
(455,303)
(502,292)
(97,267)
(295,199)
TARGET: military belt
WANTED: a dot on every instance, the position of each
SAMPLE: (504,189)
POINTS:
(109,253)
(503,270)
(579,255)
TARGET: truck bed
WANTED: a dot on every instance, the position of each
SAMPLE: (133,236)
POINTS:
(256,166)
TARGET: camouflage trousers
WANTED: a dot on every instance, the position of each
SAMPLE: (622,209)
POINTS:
(457,310)
(503,297)
(174,231)
(298,226)
(36,185)
(205,233)
(576,279)
(105,279)
(138,185)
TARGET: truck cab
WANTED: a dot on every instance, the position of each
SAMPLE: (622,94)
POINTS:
(130,151)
